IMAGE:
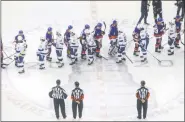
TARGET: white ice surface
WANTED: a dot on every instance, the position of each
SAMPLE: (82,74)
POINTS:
(109,88)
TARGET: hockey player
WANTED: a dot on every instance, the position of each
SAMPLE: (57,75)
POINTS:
(144,11)
(142,96)
(73,42)
(113,34)
(41,53)
(180,6)
(143,43)
(16,41)
(159,30)
(91,46)
(157,9)
(59,48)
(178,30)
(121,45)
(83,40)
(77,97)
(49,38)
(98,35)
(171,37)
(20,53)
(67,36)
(136,38)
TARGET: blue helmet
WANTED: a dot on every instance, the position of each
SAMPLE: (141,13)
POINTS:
(114,22)
(160,20)
(50,29)
(87,26)
(99,25)
(178,17)
(70,27)
(20,32)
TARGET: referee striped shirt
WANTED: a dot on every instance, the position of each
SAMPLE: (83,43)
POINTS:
(143,93)
(77,94)
(58,92)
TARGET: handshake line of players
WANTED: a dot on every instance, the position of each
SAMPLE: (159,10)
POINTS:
(91,42)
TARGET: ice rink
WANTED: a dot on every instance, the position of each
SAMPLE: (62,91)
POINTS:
(109,87)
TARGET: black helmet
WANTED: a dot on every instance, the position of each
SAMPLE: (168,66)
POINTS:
(58,82)
(77,83)
(142,83)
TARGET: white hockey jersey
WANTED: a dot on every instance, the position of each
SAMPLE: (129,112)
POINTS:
(122,41)
(42,50)
(172,32)
(20,49)
(90,42)
(59,43)
(73,42)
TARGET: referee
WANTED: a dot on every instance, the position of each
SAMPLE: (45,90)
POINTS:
(142,95)
(157,9)
(58,94)
(77,97)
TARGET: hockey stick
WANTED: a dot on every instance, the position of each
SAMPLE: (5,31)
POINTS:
(129,58)
(159,61)
(104,26)
(104,58)
(7,55)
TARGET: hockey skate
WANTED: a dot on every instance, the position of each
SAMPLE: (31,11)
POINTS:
(119,61)
(123,59)
(144,60)
(98,55)
(157,50)
(72,63)
(20,72)
(48,58)
(170,53)
(61,65)
(41,68)
(136,53)
(177,46)
(83,57)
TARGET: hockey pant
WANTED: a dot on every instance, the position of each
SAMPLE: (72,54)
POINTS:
(136,48)
(73,52)
(90,54)
(74,109)
(177,40)
(61,103)
(113,43)
(49,47)
(144,15)
(171,44)
(41,60)
(98,46)
(84,48)
(144,45)
(20,63)
(158,46)
(141,105)
(121,53)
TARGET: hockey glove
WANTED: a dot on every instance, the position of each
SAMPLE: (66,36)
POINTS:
(103,32)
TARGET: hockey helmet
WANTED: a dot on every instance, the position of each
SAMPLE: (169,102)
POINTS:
(99,25)
(20,32)
(87,26)
(58,82)
(178,17)
(77,83)
(160,19)
(70,27)
(50,29)
(142,83)
(114,22)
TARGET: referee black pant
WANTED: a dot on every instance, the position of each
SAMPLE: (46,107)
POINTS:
(74,109)
(144,14)
(141,105)
(61,103)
